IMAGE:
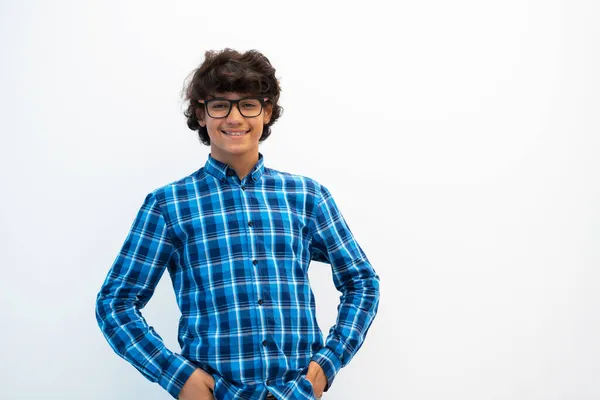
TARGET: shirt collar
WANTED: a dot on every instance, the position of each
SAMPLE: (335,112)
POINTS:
(219,169)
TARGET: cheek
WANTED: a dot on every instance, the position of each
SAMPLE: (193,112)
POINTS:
(258,124)
(212,126)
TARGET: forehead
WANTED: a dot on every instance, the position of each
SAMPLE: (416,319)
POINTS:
(230,95)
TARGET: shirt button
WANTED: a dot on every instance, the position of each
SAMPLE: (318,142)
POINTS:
(260,301)
(230,172)
(243,187)
(255,262)
(264,342)
(250,223)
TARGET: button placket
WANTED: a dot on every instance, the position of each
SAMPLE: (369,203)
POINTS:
(260,312)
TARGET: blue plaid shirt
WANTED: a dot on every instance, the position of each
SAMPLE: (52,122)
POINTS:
(238,253)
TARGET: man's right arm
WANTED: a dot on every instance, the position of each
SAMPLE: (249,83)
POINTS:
(127,288)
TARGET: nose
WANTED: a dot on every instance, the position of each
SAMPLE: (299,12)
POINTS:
(235,117)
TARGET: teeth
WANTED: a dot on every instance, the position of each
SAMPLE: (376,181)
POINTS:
(235,133)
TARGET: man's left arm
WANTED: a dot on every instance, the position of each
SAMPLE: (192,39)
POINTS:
(353,276)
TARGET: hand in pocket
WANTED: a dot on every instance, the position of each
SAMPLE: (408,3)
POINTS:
(317,378)
(198,387)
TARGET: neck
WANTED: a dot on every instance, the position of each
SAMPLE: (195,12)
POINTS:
(242,164)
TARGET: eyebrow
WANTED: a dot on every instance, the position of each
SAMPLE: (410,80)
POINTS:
(241,98)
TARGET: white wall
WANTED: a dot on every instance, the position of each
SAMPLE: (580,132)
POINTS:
(460,140)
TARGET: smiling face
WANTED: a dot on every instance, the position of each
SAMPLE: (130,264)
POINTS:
(235,136)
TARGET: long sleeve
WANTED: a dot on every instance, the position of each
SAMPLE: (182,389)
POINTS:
(127,288)
(353,276)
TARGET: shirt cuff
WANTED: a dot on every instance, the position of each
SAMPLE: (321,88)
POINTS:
(329,362)
(176,374)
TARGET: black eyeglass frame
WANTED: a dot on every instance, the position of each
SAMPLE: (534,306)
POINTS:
(261,100)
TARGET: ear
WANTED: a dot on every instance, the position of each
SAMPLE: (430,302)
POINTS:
(200,116)
(268,111)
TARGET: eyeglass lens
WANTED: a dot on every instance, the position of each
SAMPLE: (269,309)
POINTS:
(247,107)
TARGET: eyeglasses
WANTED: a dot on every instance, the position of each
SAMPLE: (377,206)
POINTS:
(249,107)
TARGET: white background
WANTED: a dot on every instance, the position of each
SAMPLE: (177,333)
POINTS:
(460,140)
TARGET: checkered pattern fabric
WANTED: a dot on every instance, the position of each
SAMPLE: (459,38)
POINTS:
(238,253)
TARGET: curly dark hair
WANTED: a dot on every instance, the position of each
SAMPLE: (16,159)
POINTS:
(231,71)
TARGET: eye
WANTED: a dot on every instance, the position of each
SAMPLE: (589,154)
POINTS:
(218,105)
(250,104)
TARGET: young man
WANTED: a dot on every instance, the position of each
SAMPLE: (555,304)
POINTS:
(237,239)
